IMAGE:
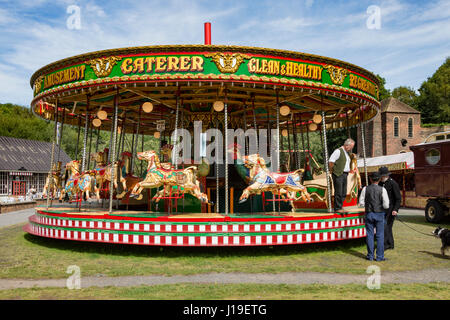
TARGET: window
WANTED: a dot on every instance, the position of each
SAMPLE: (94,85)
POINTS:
(410,127)
(396,127)
(4,182)
(433,156)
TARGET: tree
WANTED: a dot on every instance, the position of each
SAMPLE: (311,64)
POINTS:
(383,92)
(434,99)
(406,95)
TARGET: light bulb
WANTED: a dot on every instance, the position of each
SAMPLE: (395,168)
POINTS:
(97,122)
(147,107)
(285,110)
(102,115)
(218,106)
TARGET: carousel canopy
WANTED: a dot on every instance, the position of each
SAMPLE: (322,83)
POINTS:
(254,83)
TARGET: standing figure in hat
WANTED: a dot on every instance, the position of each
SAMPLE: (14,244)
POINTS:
(393,191)
(374,198)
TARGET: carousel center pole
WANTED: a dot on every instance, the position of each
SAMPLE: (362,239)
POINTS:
(207,33)
(327,170)
(113,151)
(52,155)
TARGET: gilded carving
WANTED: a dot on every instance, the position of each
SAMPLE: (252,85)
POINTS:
(337,74)
(38,84)
(227,63)
(103,66)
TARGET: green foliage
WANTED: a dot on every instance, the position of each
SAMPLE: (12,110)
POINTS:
(384,93)
(19,122)
(406,95)
(430,125)
(434,99)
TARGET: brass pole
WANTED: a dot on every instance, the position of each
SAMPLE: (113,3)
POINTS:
(113,151)
(327,170)
(52,155)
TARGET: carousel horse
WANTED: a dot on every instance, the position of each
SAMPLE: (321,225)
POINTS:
(53,182)
(103,171)
(262,180)
(77,183)
(319,183)
(184,179)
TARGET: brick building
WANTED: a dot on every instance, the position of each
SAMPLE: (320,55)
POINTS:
(392,131)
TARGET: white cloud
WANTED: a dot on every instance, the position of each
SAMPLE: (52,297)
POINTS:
(6,17)
(407,37)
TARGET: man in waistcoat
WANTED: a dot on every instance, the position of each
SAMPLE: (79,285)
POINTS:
(375,199)
(339,164)
(395,198)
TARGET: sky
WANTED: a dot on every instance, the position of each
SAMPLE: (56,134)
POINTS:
(402,41)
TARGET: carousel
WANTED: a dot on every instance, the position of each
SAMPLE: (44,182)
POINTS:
(218,117)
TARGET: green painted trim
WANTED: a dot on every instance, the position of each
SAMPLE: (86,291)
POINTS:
(253,67)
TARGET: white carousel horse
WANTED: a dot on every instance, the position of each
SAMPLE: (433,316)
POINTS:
(261,179)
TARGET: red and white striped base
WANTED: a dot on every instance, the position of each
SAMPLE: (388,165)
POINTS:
(228,231)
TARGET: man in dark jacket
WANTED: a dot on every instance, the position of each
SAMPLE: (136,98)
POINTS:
(395,198)
(374,199)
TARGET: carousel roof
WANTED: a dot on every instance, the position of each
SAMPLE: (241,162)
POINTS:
(253,82)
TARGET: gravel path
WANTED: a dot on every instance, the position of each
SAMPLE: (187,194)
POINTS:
(15,217)
(424,276)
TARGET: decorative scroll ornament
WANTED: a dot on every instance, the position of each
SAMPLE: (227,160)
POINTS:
(227,63)
(337,74)
(103,66)
(38,84)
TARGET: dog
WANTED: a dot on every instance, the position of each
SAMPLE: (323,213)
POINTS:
(444,235)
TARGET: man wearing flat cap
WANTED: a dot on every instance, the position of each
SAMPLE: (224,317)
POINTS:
(393,191)
(374,199)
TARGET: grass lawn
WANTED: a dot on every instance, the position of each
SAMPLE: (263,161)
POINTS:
(431,291)
(29,257)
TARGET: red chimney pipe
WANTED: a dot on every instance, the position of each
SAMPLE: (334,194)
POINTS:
(207,33)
